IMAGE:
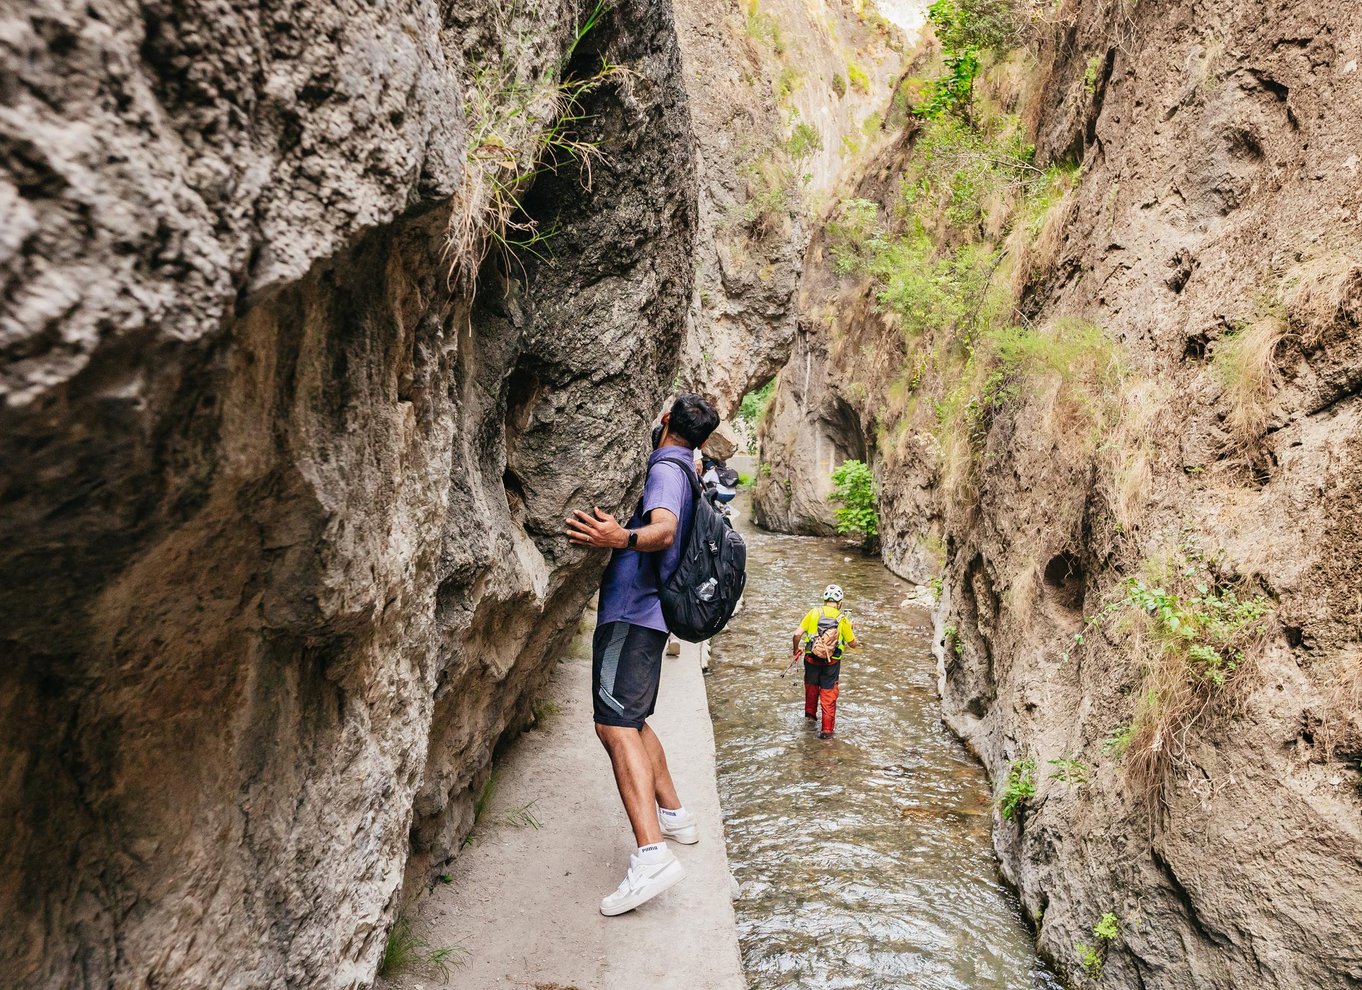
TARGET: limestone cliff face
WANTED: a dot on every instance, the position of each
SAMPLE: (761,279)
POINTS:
(783,95)
(280,494)
(1218,196)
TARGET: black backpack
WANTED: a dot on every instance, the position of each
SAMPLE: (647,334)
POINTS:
(700,596)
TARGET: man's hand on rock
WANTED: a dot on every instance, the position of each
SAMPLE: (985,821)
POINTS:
(598,530)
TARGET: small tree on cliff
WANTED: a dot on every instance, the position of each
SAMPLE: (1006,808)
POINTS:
(854,491)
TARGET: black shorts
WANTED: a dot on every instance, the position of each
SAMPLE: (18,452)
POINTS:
(626,668)
(824,675)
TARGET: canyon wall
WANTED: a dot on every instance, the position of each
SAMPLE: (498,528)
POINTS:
(1119,420)
(293,399)
(783,95)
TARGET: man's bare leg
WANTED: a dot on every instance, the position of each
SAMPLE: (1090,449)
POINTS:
(663,788)
(633,766)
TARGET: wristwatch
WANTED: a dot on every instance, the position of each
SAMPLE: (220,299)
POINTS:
(633,538)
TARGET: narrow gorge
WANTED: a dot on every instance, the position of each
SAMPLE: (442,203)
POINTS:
(317,318)
(1091,314)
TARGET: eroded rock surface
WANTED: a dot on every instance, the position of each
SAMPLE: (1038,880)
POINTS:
(279,509)
(1218,187)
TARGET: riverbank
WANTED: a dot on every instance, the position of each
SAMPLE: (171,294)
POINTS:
(521,904)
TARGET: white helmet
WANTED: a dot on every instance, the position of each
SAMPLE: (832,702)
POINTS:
(832,593)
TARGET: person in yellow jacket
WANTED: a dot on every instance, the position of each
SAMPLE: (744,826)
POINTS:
(823,656)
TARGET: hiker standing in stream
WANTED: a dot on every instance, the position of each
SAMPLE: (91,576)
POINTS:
(631,635)
(823,636)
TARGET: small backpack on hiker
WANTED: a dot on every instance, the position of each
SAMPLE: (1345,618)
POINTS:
(824,645)
(702,594)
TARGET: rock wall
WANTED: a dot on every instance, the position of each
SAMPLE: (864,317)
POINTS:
(279,511)
(776,121)
(1217,191)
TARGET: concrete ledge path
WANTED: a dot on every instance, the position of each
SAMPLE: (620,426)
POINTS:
(524,902)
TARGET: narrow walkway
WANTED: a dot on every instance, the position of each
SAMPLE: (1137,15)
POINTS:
(524,901)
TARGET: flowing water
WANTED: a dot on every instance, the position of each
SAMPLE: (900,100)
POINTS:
(863,861)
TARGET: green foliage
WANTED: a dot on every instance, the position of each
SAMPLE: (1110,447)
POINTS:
(754,404)
(1117,740)
(854,489)
(804,141)
(1093,958)
(522,817)
(769,189)
(952,92)
(1209,627)
(786,83)
(744,480)
(966,29)
(763,27)
(1108,928)
(407,951)
(860,82)
(950,639)
(1018,788)
(839,84)
(1090,73)
(1069,771)
(979,24)
(853,237)
(545,713)
(1090,959)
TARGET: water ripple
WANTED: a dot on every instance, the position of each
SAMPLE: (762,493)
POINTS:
(865,861)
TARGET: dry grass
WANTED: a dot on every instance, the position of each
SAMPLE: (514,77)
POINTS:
(1128,456)
(1245,362)
(1176,613)
(1038,246)
(1340,715)
(1320,293)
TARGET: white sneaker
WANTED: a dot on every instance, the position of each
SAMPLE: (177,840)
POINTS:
(642,883)
(684,830)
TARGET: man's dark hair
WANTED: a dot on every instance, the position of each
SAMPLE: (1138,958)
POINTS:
(693,419)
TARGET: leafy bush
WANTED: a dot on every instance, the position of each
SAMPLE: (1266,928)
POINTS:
(854,489)
(1203,628)
(804,141)
(1018,788)
(1209,629)
(755,403)
(839,84)
(965,28)
(860,82)
(1093,958)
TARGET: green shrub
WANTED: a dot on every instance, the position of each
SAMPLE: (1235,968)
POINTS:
(1093,958)
(854,489)
(1018,788)
(860,82)
(786,83)
(764,28)
(804,141)
(839,84)
(769,184)
(1208,628)
(755,403)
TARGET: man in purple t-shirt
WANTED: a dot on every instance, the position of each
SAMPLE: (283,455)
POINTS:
(626,652)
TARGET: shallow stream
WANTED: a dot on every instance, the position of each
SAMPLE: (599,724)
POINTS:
(863,861)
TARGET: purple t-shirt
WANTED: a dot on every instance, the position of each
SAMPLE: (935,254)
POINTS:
(629,587)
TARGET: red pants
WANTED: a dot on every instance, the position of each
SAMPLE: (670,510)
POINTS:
(820,688)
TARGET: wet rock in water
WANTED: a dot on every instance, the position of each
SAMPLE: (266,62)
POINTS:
(920,597)
(279,551)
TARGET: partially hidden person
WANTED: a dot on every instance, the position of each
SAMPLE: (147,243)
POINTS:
(630,638)
(823,636)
